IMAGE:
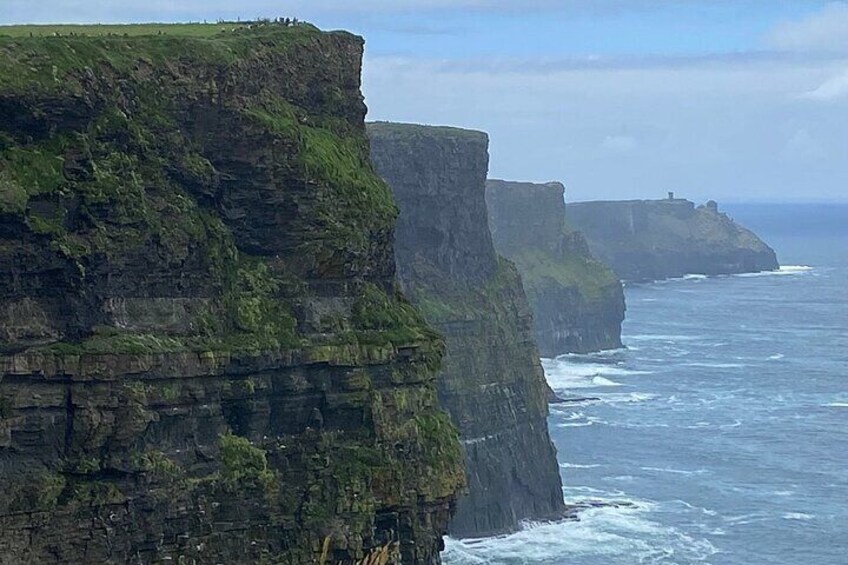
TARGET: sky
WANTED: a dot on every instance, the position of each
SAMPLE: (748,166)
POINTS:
(733,100)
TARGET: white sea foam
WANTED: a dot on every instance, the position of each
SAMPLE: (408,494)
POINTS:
(798,516)
(777,357)
(698,426)
(586,369)
(603,354)
(578,466)
(563,375)
(620,478)
(715,365)
(674,471)
(684,278)
(615,535)
(626,398)
(601,381)
(580,421)
(782,271)
(750,518)
(662,337)
(836,405)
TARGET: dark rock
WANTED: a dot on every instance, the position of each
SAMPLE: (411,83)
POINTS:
(492,383)
(657,239)
(554,398)
(203,356)
(578,303)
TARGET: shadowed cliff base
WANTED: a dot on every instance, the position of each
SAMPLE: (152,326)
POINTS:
(492,383)
(203,354)
(646,240)
(577,302)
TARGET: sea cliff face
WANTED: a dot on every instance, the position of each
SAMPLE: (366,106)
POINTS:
(491,383)
(657,239)
(577,303)
(203,354)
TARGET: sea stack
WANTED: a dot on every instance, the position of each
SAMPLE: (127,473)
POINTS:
(577,302)
(203,355)
(492,382)
(657,239)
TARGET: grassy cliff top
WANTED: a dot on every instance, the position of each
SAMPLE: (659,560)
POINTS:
(393,130)
(500,184)
(194,30)
(41,57)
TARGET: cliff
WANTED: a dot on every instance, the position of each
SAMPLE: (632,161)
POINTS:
(658,239)
(203,354)
(577,303)
(491,383)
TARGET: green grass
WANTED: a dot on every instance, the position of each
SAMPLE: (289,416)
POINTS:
(243,464)
(590,277)
(26,172)
(44,62)
(380,318)
(358,202)
(392,130)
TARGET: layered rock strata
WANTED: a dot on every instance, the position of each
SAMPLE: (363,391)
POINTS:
(491,383)
(203,354)
(657,239)
(577,302)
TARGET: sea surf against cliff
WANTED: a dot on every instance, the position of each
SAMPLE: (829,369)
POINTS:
(721,422)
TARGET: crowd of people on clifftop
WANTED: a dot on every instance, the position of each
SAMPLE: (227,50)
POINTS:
(260,22)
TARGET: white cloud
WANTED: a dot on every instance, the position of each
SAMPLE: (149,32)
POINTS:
(834,88)
(826,30)
(722,129)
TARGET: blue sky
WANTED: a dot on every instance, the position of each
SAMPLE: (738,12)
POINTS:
(726,99)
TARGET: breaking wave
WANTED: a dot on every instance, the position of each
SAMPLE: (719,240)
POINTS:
(616,530)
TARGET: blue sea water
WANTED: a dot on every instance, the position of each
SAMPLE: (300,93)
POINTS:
(721,430)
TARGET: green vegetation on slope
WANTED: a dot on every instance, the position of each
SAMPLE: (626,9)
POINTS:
(242,462)
(585,274)
(118,178)
(359,202)
(380,317)
(443,299)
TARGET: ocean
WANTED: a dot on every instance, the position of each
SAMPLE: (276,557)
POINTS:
(720,433)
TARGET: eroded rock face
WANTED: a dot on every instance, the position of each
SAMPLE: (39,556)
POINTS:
(657,239)
(492,383)
(203,355)
(577,303)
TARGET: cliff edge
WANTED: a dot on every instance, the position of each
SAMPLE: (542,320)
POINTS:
(657,239)
(577,303)
(203,354)
(492,382)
